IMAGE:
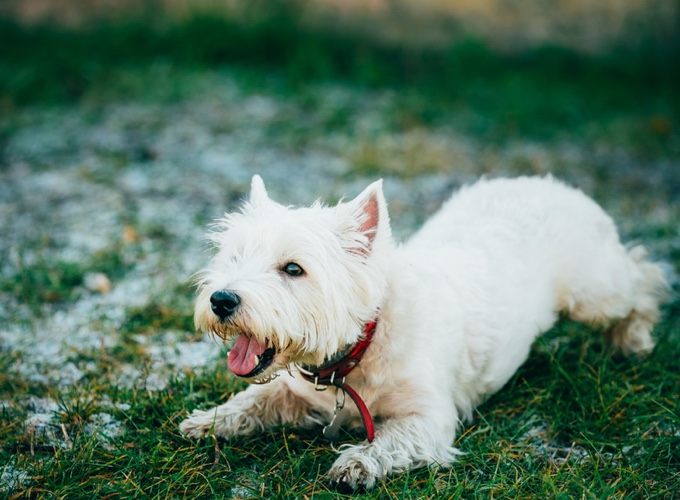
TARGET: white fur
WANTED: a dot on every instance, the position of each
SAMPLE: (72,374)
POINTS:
(458,307)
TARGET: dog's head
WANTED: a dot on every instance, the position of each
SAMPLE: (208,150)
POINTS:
(294,285)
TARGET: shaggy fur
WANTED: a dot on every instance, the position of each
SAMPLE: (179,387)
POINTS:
(458,307)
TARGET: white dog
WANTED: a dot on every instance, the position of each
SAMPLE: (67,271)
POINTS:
(416,334)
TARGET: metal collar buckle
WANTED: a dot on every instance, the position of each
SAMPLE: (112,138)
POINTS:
(334,373)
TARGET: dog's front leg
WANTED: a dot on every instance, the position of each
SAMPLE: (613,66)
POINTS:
(253,410)
(400,444)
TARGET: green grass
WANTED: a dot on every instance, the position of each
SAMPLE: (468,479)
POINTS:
(48,281)
(608,428)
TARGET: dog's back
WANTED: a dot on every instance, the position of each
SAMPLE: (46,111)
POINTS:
(538,230)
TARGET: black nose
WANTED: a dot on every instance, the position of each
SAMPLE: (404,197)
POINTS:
(223,303)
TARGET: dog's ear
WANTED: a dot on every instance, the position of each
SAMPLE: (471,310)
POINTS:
(258,193)
(370,210)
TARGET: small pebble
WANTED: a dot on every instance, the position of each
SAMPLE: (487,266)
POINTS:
(97,282)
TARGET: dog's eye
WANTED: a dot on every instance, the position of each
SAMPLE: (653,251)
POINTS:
(293,269)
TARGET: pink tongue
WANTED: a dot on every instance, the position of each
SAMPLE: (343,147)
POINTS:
(241,359)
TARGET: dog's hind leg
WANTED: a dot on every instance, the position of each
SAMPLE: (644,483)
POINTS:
(632,334)
(620,291)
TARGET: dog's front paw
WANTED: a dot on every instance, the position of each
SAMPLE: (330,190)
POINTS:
(355,470)
(227,420)
(198,424)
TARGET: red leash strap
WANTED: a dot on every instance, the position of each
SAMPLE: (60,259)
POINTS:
(334,374)
(363,410)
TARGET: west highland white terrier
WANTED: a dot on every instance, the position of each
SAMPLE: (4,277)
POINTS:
(415,335)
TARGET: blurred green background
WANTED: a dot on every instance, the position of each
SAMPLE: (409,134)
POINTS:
(67,49)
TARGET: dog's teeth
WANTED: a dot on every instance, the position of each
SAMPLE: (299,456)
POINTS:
(257,359)
(266,379)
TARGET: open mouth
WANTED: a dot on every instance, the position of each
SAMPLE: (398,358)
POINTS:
(249,357)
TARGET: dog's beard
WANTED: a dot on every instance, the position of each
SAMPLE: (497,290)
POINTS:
(262,344)
(256,357)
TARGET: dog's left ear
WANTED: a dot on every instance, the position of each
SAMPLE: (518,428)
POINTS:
(369,209)
(258,193)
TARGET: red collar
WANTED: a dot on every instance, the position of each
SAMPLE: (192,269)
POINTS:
(334,373)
